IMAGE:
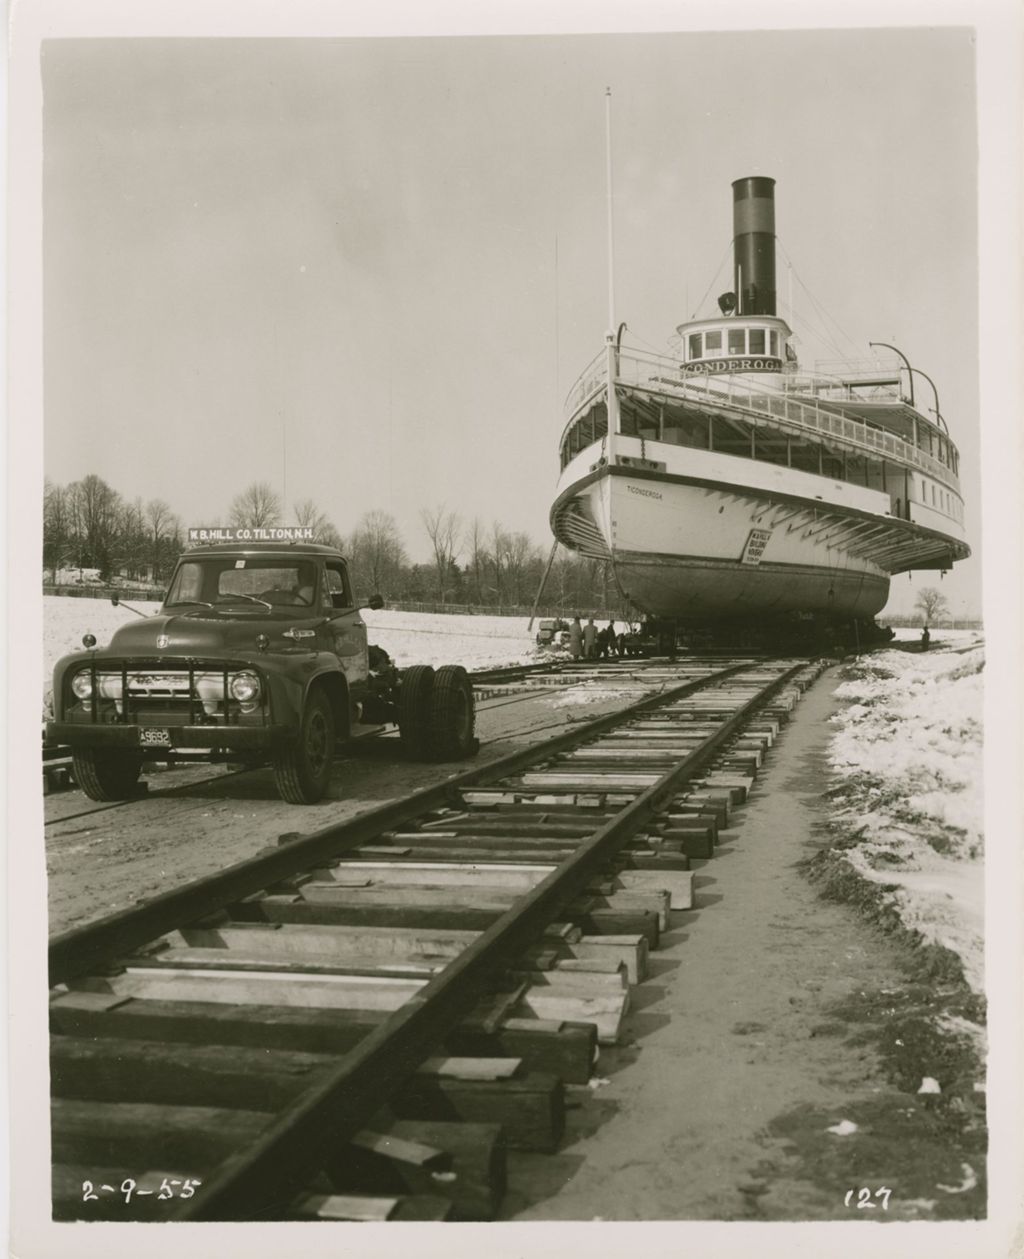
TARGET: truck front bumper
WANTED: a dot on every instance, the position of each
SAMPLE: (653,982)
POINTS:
(265,739)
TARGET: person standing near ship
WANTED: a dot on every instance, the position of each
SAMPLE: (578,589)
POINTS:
(575,638)
(590,640)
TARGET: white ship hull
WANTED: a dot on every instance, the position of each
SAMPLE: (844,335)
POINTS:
(686,551)
(696,534)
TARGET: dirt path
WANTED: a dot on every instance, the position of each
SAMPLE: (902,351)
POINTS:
(763,1025)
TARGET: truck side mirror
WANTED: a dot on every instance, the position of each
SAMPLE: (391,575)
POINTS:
(376,602)
(115,600)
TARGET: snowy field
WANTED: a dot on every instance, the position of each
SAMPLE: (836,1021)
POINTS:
(478,642)
(908,751)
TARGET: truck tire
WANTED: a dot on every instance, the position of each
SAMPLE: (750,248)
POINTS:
(452,715)
(106,775)
(415,689)
(302,770)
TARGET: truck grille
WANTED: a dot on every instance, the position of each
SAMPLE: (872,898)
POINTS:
(192,694)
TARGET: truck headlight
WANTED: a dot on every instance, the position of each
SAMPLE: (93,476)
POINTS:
(81,684)
(245,687)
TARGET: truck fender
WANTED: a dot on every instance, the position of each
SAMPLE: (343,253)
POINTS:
(336,687)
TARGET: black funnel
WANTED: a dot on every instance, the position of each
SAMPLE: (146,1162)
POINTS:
(753,229)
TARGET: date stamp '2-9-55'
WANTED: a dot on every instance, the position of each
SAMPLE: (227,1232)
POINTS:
(169,1187)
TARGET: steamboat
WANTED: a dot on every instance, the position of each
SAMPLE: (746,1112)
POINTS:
(726,483)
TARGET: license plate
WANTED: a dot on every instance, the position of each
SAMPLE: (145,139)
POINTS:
(153,737)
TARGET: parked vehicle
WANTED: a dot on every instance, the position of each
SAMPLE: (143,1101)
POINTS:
(552,633)
(258,653)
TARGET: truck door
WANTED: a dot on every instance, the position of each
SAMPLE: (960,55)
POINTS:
(346,628)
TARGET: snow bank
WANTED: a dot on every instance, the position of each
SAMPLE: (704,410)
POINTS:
(478,642)
(908,752)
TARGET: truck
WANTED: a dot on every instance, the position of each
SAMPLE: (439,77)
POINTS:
(552,633)
(258,654)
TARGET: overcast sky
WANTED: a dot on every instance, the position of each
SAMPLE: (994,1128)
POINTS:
(369,270)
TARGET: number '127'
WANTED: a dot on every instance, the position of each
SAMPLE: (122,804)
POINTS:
(864,1197)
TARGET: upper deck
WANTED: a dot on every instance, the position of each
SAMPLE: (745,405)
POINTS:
(859,408)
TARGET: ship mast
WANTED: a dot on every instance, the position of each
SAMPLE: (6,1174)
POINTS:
(611,355)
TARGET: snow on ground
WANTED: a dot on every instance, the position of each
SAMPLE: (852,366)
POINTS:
(908,751)
(478,642)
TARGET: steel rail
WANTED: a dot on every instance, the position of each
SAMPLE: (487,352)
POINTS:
(257,1182)
(81,949)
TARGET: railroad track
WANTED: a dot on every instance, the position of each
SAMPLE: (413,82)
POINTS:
(359,1023)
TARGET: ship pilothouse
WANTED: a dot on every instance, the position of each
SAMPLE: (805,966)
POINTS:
(727,480)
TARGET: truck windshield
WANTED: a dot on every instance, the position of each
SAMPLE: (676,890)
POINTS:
(226,579)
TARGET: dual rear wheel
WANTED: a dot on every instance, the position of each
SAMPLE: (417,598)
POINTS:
(437,714)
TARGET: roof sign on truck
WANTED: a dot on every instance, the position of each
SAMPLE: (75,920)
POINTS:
(267,533)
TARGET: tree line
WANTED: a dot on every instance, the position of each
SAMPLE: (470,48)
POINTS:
(87,524)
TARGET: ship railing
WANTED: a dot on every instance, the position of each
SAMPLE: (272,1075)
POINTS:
(859,373)
(657,372)
(592,378)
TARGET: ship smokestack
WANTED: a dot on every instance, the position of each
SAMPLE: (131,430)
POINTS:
(753,229)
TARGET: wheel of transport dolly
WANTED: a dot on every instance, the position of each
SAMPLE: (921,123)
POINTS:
(105,775)
(452,715)
(415,688)
(302,770)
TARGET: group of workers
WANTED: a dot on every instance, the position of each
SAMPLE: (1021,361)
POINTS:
(587,642)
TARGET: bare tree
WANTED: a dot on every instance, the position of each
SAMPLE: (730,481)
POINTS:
(376,552)
(256,507)
(498,547)
(309,515)
(132,540)
(443,528)
(519,551)
(163,528)
(475,539)
(932,604)
(57,534)
(94,511)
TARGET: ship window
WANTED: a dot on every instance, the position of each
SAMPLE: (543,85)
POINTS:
(773,344)
(756,340)
(737,340)
(713,343)
(695,345)
(682,429)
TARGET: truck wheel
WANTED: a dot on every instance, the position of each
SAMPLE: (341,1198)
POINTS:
(106,775)
(415,688)
(302,770)
(452,715)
